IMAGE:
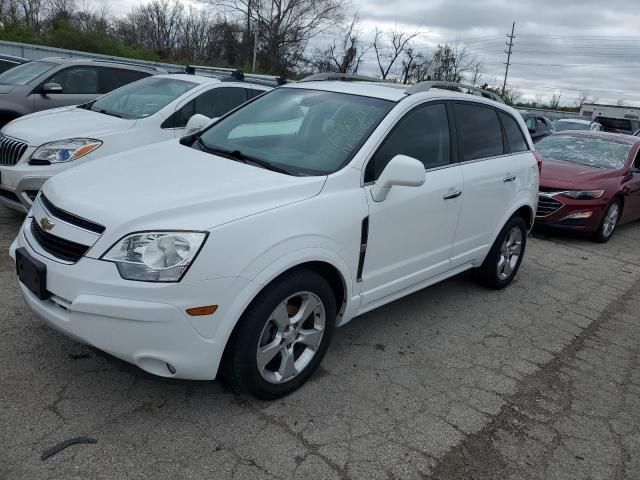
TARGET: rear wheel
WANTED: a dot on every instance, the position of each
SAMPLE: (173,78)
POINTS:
(504,259)
(609,222)
(283,336)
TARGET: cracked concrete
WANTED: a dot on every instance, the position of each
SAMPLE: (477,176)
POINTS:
(538,381)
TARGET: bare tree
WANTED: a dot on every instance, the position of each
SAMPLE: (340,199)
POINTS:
(286,26)
(388,46)
(343,55)
(620,102)
(554,102)
(32,12)
(450,63)
(583,98)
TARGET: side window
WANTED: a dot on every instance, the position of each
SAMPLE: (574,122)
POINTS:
(77,80)
(253,93)
(423,133)
(113,78)
(212,103)
(516,139)
(541,126)
(479,130)
(531,123)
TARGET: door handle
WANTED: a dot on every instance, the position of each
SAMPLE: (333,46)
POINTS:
(452,195)
(508,179)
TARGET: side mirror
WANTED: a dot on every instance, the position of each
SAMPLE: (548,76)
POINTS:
(400,171)
(51,88)
(197,122)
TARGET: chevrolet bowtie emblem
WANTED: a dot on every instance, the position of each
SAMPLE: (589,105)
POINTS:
(46,224)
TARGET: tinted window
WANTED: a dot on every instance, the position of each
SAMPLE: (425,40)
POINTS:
(517,142)
(540,125)
(423,134)
(78,80)
(6,65)
(479,130)
(23,74)
(253,93)
(213,103)
(113,78)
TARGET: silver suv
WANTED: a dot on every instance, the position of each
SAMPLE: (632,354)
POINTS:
(58,82)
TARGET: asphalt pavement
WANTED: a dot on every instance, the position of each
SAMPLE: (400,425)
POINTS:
(537,381)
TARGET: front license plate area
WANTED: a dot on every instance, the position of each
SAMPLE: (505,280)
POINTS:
(32,273)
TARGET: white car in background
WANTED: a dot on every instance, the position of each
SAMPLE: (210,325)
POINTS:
(35,147)
(240,247)
(576,124)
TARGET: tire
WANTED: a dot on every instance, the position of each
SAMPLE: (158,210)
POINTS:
(609,222)
(497,271)
(268,327)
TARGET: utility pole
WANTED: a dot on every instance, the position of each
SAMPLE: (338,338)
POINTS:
(508,52)
(255,49)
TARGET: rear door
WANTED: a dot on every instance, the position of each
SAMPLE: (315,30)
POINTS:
(495,161)
(80,84)
(112,78)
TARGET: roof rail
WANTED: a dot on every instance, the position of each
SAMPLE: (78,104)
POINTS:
(426,86)
(118,62)
(235,73)
(343,77)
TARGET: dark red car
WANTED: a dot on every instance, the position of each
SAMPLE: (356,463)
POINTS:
(589,182)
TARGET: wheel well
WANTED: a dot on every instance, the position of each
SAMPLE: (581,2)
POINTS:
(620,197)
(328,271)
(526,214)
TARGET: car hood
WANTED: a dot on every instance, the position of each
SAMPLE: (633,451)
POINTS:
(568,172)
(62,123)
(171,186)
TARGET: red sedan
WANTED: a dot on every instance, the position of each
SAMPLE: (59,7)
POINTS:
(589,182)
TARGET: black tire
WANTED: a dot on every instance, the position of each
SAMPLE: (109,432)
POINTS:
(487,274)
(603,235)
(240,366)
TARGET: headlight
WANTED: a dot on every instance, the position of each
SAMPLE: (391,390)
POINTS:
(583,194)
(155,256)
(65,150)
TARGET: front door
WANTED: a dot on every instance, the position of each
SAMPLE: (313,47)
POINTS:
(79,85)
(411,231)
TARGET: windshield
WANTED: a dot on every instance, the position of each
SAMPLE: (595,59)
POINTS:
(142,98)
(595,152)
(562,126)
(23,74)
(304,132)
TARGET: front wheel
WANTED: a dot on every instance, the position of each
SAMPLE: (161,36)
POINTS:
(283,336)
(608,223)
(504,258)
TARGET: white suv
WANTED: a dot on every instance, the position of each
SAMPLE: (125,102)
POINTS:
(242,246)
(35,147)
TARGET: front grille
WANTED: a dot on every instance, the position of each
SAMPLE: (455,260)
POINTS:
(70,217)
(547,206)
(58,247)
(11,150)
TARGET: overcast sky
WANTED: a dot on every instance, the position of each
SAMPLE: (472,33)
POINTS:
(561,46)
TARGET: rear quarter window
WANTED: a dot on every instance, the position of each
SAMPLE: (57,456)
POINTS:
(515,137)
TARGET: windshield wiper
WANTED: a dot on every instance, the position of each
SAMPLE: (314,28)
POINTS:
(238,156)
(112,114)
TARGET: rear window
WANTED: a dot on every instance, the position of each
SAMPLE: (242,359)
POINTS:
(479,129)
(615,124)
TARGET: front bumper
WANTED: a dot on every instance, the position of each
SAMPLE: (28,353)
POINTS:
(142,323)
(572,215)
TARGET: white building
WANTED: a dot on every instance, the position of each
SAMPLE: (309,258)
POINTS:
(593,111)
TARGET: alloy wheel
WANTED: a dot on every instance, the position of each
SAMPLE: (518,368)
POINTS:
(610,220)
(291,337)
(510,252)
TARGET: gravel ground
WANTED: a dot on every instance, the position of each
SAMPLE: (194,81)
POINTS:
(538,381)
